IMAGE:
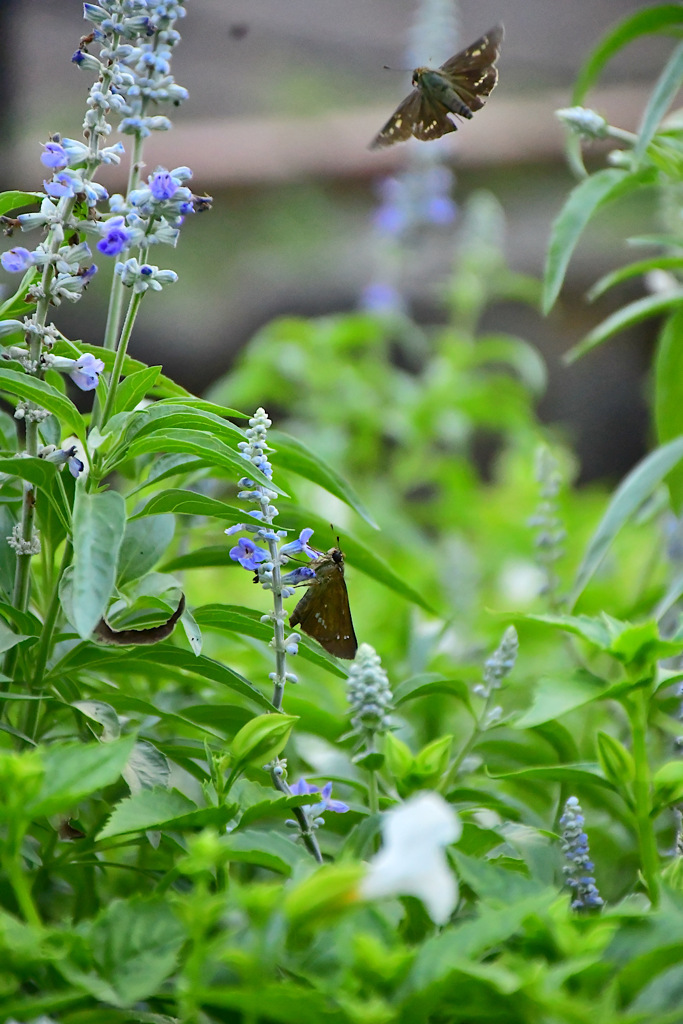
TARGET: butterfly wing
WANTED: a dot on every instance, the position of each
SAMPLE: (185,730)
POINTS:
(433,121)
(399,127)
(324,613)
(472,72)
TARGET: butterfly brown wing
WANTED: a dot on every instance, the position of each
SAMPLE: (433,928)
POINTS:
(399,127)
(472,72)
(323,612)
(433,121)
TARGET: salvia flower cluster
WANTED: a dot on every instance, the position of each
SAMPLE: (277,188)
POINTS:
(585,895)
(264,552)
(370,698)
(136,39)
(550,530)
(496,668)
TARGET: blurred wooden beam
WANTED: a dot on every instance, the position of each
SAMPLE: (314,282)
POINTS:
(260,151)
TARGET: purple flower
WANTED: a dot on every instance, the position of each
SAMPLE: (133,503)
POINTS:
(61,185)
(17,260)
(300,545)
(116,237)
(300,575)
(303,788)
(248,554)
(86,372)
(54,156)
(441,210)
(162,185)
(379,297)
(75,465)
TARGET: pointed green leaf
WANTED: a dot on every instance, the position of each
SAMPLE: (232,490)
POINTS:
(626,316)
(143,544)
(629,496)
(663,94)
(25,386)
(188,503)
(162,809)
(99,523)
(74,771)
(583,201)
(668,393)
(291,454)
(135,387)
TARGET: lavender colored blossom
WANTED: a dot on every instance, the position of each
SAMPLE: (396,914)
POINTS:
(162,185)
(86,372)
(303,788)
(301,575)
(248,554)
(116,238)
(55,156)
(300,545)
(17,260)
(576,851)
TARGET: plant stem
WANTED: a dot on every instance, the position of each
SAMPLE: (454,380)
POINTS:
(305,830)
(119,359)
(637,709)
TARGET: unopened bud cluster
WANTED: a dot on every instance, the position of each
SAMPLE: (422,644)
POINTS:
(369,694)
(550,531)
(575,848)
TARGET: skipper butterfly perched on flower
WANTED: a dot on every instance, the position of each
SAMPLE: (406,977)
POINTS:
(323,612)
(459,87)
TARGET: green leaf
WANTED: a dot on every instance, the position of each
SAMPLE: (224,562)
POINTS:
(74,771)
(631,270)
(135,944)
(200,558)
(286,1002)
(668,394)
(629,496)
(616,761)
(99,523)
(143,544)
(147,768)
(193,442)
(102,713)
(166,415)
(291,454)
(247,622)
(668,784)
(664,92)
(188,503)
(134,388)
(571,774)
(261,739)
(162,809)
(429,683)
(265,849)
(15,200)
(659,18)
(627,316)
(148,660)
(37,471)
(553,698)
(584,199)
(28,387)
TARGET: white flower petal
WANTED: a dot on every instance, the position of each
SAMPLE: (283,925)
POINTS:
(412,861)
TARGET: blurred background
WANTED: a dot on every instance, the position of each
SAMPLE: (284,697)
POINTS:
(285,96)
